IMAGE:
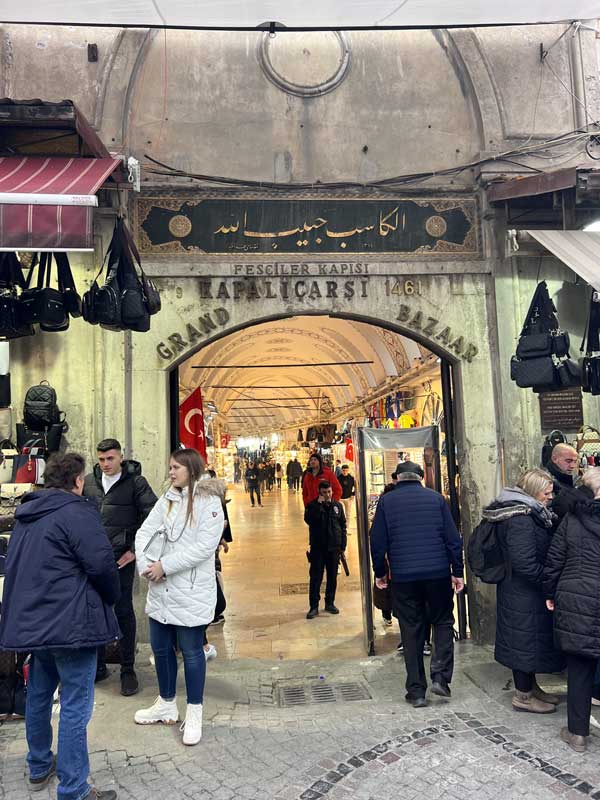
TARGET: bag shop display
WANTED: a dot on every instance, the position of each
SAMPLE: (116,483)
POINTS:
(40,409)
(28,468)
(12,324)
(126,300)
(48,440)
(590,349)
(542,360)
(42,303)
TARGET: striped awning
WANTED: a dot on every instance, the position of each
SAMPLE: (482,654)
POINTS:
(46,203)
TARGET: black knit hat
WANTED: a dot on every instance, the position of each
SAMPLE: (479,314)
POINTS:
(409,466)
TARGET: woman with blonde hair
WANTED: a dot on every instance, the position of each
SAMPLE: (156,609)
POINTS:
(524,635)
(572,589)
(176,554)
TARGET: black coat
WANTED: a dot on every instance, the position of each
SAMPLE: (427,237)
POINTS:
(524,634)
(327,526)
(252,476)
(565,494)
(124,507)
(572,580)
(61,577)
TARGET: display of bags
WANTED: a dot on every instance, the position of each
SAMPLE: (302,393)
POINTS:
(28,468)
(12,325)
(590,363)
(48,441)
(542,361)
(12,493)
(43,304)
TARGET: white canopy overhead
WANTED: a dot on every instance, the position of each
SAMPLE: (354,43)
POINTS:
(579,250)
(315,14)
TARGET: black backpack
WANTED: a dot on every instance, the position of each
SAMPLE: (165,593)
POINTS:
(40,409)
(485,555)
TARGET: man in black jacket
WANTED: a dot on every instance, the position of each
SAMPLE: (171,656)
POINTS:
(125,499)
(348,485)
(327,538)
(563,466)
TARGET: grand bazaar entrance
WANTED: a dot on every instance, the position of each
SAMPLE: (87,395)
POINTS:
(277,391)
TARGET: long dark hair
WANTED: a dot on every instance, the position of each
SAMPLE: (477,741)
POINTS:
(194,463)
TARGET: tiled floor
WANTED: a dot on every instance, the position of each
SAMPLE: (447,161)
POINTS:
(266,561)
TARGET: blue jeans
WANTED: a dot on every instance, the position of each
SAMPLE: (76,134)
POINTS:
(75,671)
(164,640)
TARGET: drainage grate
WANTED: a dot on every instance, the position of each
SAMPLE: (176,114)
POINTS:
(321,692)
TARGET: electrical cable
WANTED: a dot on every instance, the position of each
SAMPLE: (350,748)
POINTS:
(537,150)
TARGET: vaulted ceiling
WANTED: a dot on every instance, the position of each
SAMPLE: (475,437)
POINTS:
(242,373)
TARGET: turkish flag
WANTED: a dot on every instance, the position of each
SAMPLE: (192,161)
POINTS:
(349,450)
(191,423)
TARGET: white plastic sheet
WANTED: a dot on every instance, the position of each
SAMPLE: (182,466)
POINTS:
(298,13)
(579,250)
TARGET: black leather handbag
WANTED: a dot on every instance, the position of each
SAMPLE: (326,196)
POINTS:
(43,304)
(12,325)
(66,285)
(590,345)
(532,372)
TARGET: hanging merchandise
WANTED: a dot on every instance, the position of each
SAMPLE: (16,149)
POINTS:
(300,437)
(588,442)
(126,300)
(542,361)
(42,303)
(12,325)
(590,363)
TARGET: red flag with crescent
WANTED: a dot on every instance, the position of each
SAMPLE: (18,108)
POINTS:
(191,423)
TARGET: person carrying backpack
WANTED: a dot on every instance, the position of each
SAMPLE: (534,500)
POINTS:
(524,626)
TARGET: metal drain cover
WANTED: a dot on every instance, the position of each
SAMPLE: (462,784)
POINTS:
(321,692)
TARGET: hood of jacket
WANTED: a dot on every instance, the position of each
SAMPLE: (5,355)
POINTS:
(559,476)
(129,468)
(39,504)
(205,487)
(512,502)
(588,513)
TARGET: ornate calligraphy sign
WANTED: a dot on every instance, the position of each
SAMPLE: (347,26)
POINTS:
(234,225)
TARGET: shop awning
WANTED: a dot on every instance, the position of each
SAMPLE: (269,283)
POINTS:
(315,14)
(579,250)
(47,203)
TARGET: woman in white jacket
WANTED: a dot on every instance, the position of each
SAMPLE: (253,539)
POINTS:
(176,553)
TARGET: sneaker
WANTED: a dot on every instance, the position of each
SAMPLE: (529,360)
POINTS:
(129,683)
(210,652)
(595,701)
(101,794)
(312,613)
(192,725)
(426,649)
(387,622)
(218,620)
(331,609)
(37,784)
(161,711)
(400,649)
(102,673)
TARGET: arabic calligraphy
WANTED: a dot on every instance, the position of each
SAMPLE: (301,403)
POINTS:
(329,225)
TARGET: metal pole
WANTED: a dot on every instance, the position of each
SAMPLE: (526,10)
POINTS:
(447,398)
(174,407)
(362,525)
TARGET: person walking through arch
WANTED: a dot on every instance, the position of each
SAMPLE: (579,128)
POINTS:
(252,477)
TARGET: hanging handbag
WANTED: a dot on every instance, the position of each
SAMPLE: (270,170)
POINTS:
(590,345)
(12,325)
(43,304)
(66,285)
(150,292)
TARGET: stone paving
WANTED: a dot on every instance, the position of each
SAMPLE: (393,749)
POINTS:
(473,746)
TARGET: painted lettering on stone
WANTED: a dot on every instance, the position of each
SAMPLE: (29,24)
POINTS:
(203,326)
(430,327)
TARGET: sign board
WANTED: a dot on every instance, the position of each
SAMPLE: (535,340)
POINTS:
(235,225)
(562,410)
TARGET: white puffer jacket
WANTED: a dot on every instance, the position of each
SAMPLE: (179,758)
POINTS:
(188,595)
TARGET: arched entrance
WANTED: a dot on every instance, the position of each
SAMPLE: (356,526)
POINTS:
(272,382)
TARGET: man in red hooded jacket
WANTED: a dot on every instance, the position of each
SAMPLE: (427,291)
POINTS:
(315,473)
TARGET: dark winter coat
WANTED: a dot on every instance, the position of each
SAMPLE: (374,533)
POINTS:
(413,527)
(572,579)
(524,626)
(347,483)
(124,507)
(61,577)
(565,494)
(565,501)
(327,526)
(252,476)
(294,469)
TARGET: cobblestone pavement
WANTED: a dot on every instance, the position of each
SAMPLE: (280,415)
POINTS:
(473,746)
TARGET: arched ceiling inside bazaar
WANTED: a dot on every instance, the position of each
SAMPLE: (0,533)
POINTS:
(241,373)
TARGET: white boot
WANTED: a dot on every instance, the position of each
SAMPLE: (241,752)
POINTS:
(161,711)
(192,726)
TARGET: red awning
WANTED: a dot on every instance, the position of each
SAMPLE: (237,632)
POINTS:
(46,203)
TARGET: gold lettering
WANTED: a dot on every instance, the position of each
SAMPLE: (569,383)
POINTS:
(386,227)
